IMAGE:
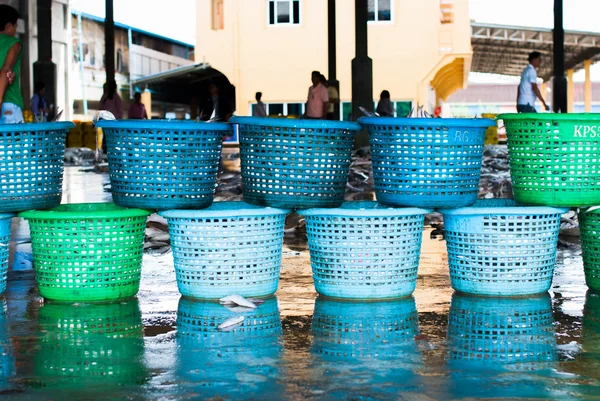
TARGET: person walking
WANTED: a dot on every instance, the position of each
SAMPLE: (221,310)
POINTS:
(137,110)
(528,89)
(259,110)
(317,103)
(385,108)
(111,101)
(39,107)
(11,100)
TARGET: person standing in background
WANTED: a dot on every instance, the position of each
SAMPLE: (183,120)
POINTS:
(528,89)
(334,98)
(317,103)
(39,107)
(111,101)
(137,110)
(218,106)
(11,100)
(385,108)
(259,110)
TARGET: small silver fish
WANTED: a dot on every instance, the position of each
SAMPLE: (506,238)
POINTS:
(238,300)
(231,323)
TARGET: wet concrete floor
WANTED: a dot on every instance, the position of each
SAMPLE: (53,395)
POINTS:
(434,346)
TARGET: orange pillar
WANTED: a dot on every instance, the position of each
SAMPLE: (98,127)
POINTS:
(570,91)
(587,87)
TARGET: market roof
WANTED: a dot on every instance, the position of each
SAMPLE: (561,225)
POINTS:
(503,49)
(181,84)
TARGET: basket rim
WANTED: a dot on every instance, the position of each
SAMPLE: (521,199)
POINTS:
(296,123)
(370,209)
(431,122)
(224,209)
(4,216)
(164,124)
(550,116)
(53,214)
(500,210)
(53,126)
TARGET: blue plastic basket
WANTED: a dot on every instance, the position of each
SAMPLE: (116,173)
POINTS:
(7,358)
(295,163)
(426,162)
(354,331)
(5,220)
(163,164)
(364,250)
(366,348)
(501,331)
(233,365)
(499,248)
(31,165)
(498,347)
(228,248)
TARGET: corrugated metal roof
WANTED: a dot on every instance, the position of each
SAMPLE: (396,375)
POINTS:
(503,49)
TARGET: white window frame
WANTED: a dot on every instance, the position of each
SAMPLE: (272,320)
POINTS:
(376,21)
(285,107)
(291,23)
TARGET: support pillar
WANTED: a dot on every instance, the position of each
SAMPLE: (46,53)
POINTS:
(362,70)
(559,90)
(194,108)
(332,47)
(147,102)
(109,41)
(570,91)
(587,87)
(44,70)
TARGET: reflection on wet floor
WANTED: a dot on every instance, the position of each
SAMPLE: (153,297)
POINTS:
(435,346)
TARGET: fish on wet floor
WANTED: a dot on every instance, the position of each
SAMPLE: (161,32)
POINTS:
(231,323)
(238,300)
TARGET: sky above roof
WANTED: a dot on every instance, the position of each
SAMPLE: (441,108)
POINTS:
(176,19)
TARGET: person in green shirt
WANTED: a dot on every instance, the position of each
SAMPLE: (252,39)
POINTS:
(11,100)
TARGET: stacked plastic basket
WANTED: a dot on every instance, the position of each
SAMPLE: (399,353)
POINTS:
(31,174)
(554,162)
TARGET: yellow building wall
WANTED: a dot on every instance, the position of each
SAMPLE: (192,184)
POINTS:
(277,60)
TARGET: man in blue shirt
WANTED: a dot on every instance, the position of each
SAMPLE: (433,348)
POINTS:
(528,89)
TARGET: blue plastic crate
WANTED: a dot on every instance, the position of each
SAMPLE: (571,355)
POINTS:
(163,164)
(501,331)
(499,248)
(426,162)
(5,221)
(31,165)
(233,365)
(295,163)
(228,248)
(364,250)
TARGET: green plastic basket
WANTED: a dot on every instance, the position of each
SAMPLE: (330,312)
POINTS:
(90,345)
(554,158)
(87,252)
(589,226)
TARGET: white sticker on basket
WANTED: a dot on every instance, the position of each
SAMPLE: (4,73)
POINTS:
(586,131)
